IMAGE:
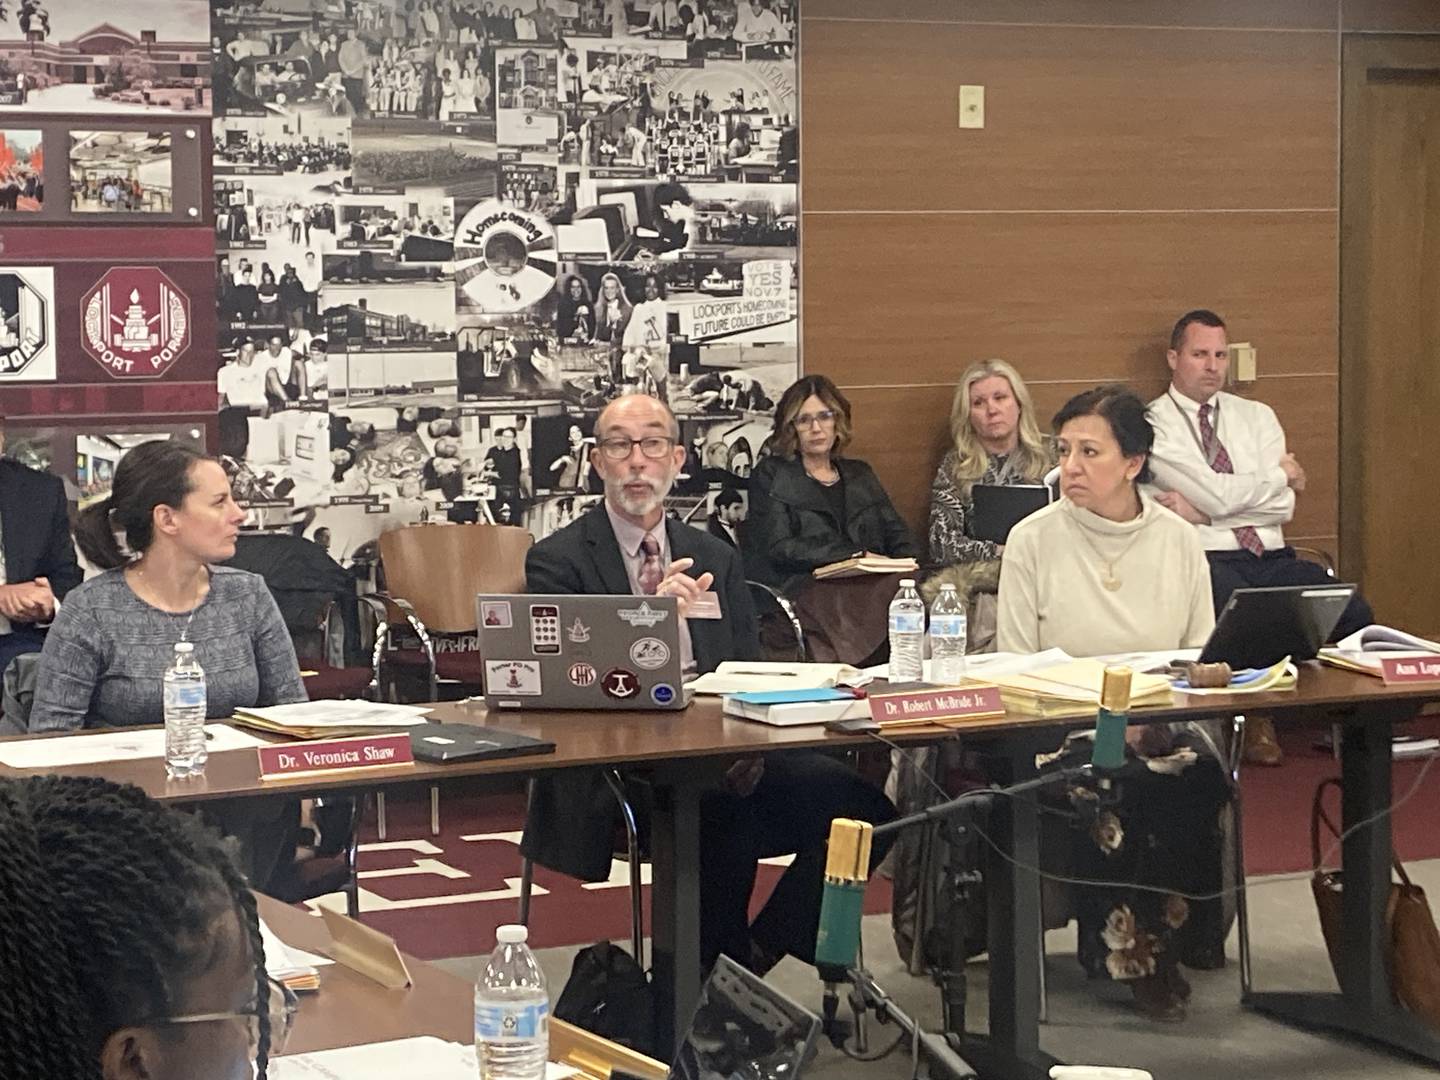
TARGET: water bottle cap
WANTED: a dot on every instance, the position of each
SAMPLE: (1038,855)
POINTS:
(907,583)
(184,646)
(511,935)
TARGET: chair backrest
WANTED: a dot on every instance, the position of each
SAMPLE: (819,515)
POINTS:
(440,568)
(781,637)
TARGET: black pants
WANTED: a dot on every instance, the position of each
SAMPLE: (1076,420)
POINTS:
(790,810)
(1231,570)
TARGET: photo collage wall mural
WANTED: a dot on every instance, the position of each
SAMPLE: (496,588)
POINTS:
(441,236)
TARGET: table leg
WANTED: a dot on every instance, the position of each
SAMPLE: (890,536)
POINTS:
(675,907)
(1363,1009)
(1012,1049)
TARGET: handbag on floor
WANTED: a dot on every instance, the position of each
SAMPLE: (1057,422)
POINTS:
(1412,951)
(607,994)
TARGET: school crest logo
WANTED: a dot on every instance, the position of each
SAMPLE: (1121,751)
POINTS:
(27,323)
(135,322)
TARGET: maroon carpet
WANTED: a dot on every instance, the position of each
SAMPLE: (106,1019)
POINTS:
(443,896)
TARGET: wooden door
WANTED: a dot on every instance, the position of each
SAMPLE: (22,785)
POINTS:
(1390,327)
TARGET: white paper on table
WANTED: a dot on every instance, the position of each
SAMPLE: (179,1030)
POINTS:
(282,960)
(423,1055)
(997,663)
(341,714)
(121,744)
(1150,661)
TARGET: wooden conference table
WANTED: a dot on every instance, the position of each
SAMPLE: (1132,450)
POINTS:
(352,1010)
(683,752)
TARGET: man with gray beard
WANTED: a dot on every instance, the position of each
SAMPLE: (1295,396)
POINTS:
(766,807)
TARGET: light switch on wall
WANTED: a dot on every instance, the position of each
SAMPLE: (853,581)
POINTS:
(1242,361)
(972,106)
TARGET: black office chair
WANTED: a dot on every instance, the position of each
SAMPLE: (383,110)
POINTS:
(782,637)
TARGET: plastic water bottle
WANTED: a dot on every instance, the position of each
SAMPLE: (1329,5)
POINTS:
(948,631)
(185,751)
(907,634)
(512,1011)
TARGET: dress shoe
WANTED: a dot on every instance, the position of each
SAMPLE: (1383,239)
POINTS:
(1156,999)
(1261,746)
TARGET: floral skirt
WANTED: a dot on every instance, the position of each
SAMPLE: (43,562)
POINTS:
(1162,833)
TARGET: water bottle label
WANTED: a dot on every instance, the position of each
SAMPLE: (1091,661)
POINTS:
(907,624)
(947,626)
(185,695)
(494,1022)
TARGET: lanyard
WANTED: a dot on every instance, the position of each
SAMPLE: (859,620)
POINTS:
(1214,451)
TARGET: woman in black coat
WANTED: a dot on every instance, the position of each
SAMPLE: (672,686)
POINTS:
(808,505)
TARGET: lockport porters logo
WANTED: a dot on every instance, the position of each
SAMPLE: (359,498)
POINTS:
(27,323)
(135,322)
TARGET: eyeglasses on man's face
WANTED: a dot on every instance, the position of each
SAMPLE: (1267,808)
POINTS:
(652,446)
(280,1005)
(825,417)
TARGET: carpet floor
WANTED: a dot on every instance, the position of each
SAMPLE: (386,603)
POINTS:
(443,896)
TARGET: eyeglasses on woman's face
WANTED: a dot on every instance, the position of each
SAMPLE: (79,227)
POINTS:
(823,418)
(652,446)
(280,1005)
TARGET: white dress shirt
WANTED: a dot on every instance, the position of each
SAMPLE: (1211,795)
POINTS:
(629,537)
(1257,493)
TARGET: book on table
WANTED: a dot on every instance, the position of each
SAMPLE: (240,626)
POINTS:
(789,708)
(329,719)
(1073,689)
(1364,650)
(755,676)
(866,564)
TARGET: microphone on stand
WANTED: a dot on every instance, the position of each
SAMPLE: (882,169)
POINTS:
(847,869)
(1112,720)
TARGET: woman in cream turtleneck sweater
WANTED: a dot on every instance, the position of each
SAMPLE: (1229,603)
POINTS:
(1108,570)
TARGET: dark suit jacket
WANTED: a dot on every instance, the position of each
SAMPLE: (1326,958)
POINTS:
(717,530)
(36,528)
(572,818)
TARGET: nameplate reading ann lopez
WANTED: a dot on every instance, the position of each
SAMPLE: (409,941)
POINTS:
(335,755)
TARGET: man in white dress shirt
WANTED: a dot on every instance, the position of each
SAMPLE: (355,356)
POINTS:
(1221,463)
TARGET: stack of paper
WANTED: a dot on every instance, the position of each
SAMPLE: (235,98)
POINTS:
(118,744)
(788,708)
(1282,675)
(1363,650)
(423,1055)
(1072,689)
(329,719)
(294,967)
(866,564)
(746,676)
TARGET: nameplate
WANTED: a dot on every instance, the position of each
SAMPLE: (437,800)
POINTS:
(335,755)
(942,705)
(1409,669)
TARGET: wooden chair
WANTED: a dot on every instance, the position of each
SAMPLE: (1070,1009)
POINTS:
(432,575)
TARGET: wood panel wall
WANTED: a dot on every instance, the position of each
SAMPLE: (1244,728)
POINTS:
(1140,158)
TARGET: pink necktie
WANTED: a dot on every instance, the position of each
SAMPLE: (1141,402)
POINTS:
(1220,461)
(651,572)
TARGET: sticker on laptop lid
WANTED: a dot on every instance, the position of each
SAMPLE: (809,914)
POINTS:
(495,614)
(518,677)
(644,615)
(619,683)
(578,632)
(662,693)
(649,653)
(582,674)
(545,629)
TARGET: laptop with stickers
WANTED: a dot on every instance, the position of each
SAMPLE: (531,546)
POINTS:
(580,652)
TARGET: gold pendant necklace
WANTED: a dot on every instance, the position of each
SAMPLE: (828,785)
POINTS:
(1110,581)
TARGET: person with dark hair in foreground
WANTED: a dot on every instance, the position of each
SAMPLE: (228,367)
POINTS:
(104,660)
(132,946)
(1109,570)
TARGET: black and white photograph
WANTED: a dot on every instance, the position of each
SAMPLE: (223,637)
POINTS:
(379,268)
(396,377)
(125,172)
(411,315)
(749,221)
(417,226)
(735,302)
(457,159)
(527,100)
(547,515)
(531,182)
(762,95)
(278,144)
(286,63)
(145,56)
(505,259)
(560,447)
(254,290)
(513,357)
(274,214)
(22,170)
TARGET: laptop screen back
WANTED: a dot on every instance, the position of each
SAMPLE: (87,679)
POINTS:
(743,1027)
